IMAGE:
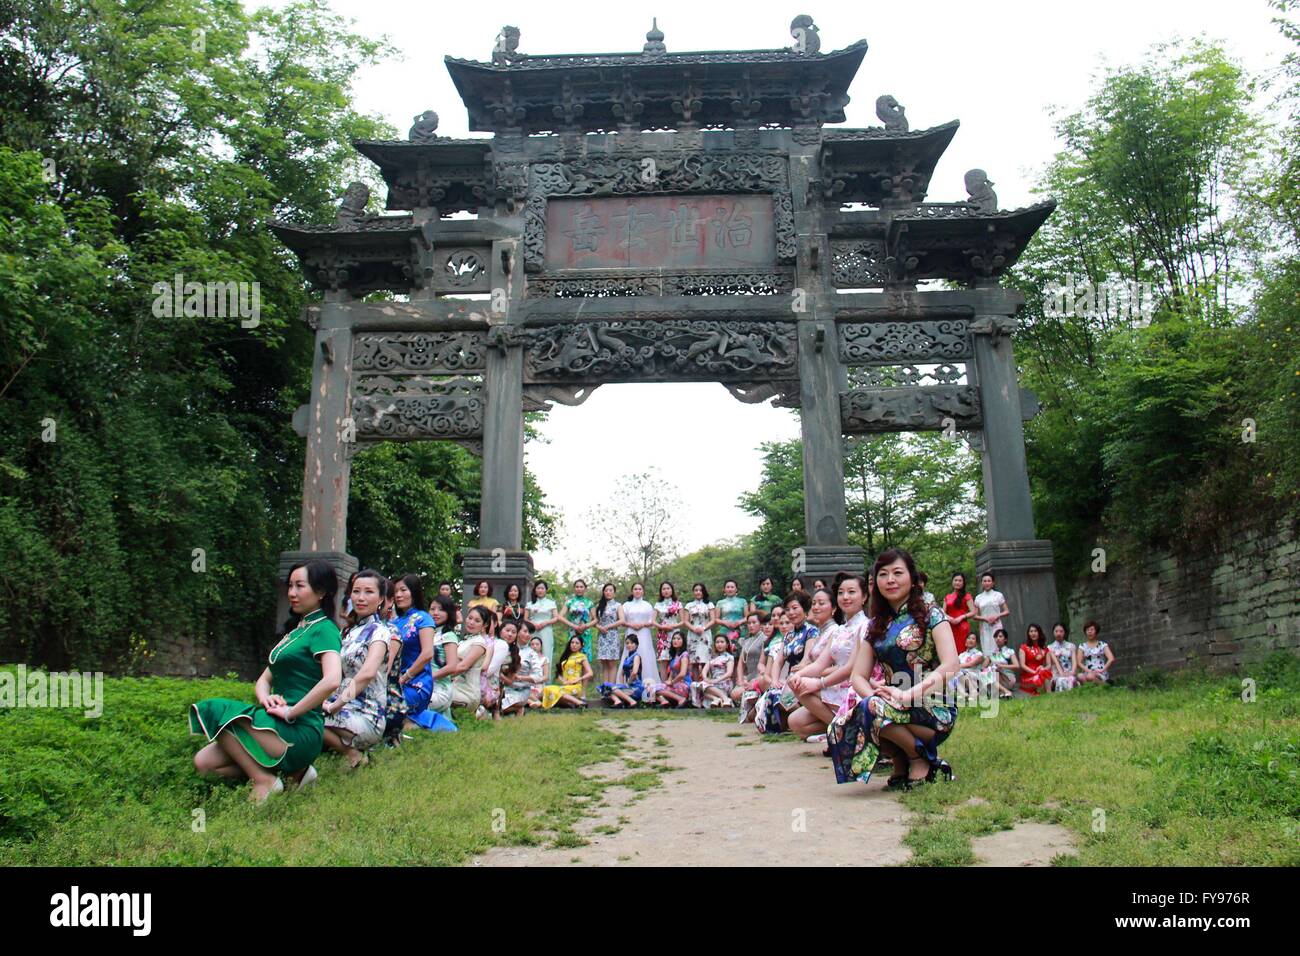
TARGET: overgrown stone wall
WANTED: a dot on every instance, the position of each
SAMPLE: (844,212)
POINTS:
(1222,609)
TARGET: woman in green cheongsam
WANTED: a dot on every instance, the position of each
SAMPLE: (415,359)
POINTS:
(283,732)
(580,615)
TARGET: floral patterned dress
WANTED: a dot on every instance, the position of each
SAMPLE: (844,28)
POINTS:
(632,685)
(1064,651)
(609,646)
(581,610)
(669,612)
(1094,658)
(363,718)
(854,738)
(570,681)
(731,612)
(699,613)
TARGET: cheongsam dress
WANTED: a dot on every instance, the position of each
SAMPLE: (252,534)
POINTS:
(295,670)
(854,738)
(731,614)
(631,685)
(581,611)
(610,643)
(670,612)
(1064,651)
(363,718)
(1037,671)
(699,614)
(1094,658)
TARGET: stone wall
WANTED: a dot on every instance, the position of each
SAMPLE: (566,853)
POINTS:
(1222,610)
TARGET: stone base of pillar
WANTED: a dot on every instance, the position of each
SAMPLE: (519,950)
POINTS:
(1024,573)
(342,563)
(825,560)
(500,568)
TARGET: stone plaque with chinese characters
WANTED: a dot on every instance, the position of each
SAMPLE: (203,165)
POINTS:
(661,232)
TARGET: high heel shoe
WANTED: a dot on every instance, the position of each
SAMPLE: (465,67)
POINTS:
(942,767)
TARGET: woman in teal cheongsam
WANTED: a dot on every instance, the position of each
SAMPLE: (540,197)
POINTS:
(580,615)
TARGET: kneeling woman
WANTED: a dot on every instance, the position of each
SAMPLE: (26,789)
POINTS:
(284,731)
(905,637)
(822,686)
(628,693)
(354,718)
(1035,672)
(575,670)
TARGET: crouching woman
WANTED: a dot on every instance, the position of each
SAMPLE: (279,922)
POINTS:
(284,731)
(907,722)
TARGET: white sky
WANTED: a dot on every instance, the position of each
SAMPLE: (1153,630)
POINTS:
(999,68)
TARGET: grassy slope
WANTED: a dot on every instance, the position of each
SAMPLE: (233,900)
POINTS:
(1186,773)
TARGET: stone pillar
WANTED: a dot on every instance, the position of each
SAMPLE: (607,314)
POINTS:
(500,557)
(821,380)
(330,434)
(1021,563)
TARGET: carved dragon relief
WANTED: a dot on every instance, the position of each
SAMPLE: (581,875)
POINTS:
(682,350)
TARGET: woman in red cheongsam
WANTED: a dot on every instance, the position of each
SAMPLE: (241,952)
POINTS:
(958,607)
(1035,669)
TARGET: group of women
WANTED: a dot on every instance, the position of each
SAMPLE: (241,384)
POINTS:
(870,662)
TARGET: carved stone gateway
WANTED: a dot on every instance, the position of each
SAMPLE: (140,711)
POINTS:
(669,217)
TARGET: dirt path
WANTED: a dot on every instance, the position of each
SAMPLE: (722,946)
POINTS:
(727,800)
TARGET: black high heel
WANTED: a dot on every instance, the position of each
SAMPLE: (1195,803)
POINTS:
(941,767)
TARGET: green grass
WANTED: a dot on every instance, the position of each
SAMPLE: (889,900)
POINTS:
(121,790)
(1167,772)
(1184,771)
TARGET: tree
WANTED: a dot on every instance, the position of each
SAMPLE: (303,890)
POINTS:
(642,528)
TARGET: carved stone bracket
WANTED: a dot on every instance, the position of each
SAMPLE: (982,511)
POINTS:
(786,393)
(993,325)
(538,398)
(892,343)
(674,173)
(871,410)
(671,350)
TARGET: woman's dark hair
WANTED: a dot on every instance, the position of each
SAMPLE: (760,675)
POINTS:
(1091,624)
(731,581)
(796,584)
(527,625)
(479,585)
(997,631)
(449,607)
(962,593)
(704,591)
(763,616)
(415,584)
(516,588)
(672,591)
(836,614)
(1062,626)
(840,578)
(569,651)
(1042,638)
(882,612)
(579,581)
(381,587)
(513,647)
(321,579)
(636,641)
(487,617)
(677,636)
(604,601)
(539,583)
(767,578)
(990,575)
(802,598)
